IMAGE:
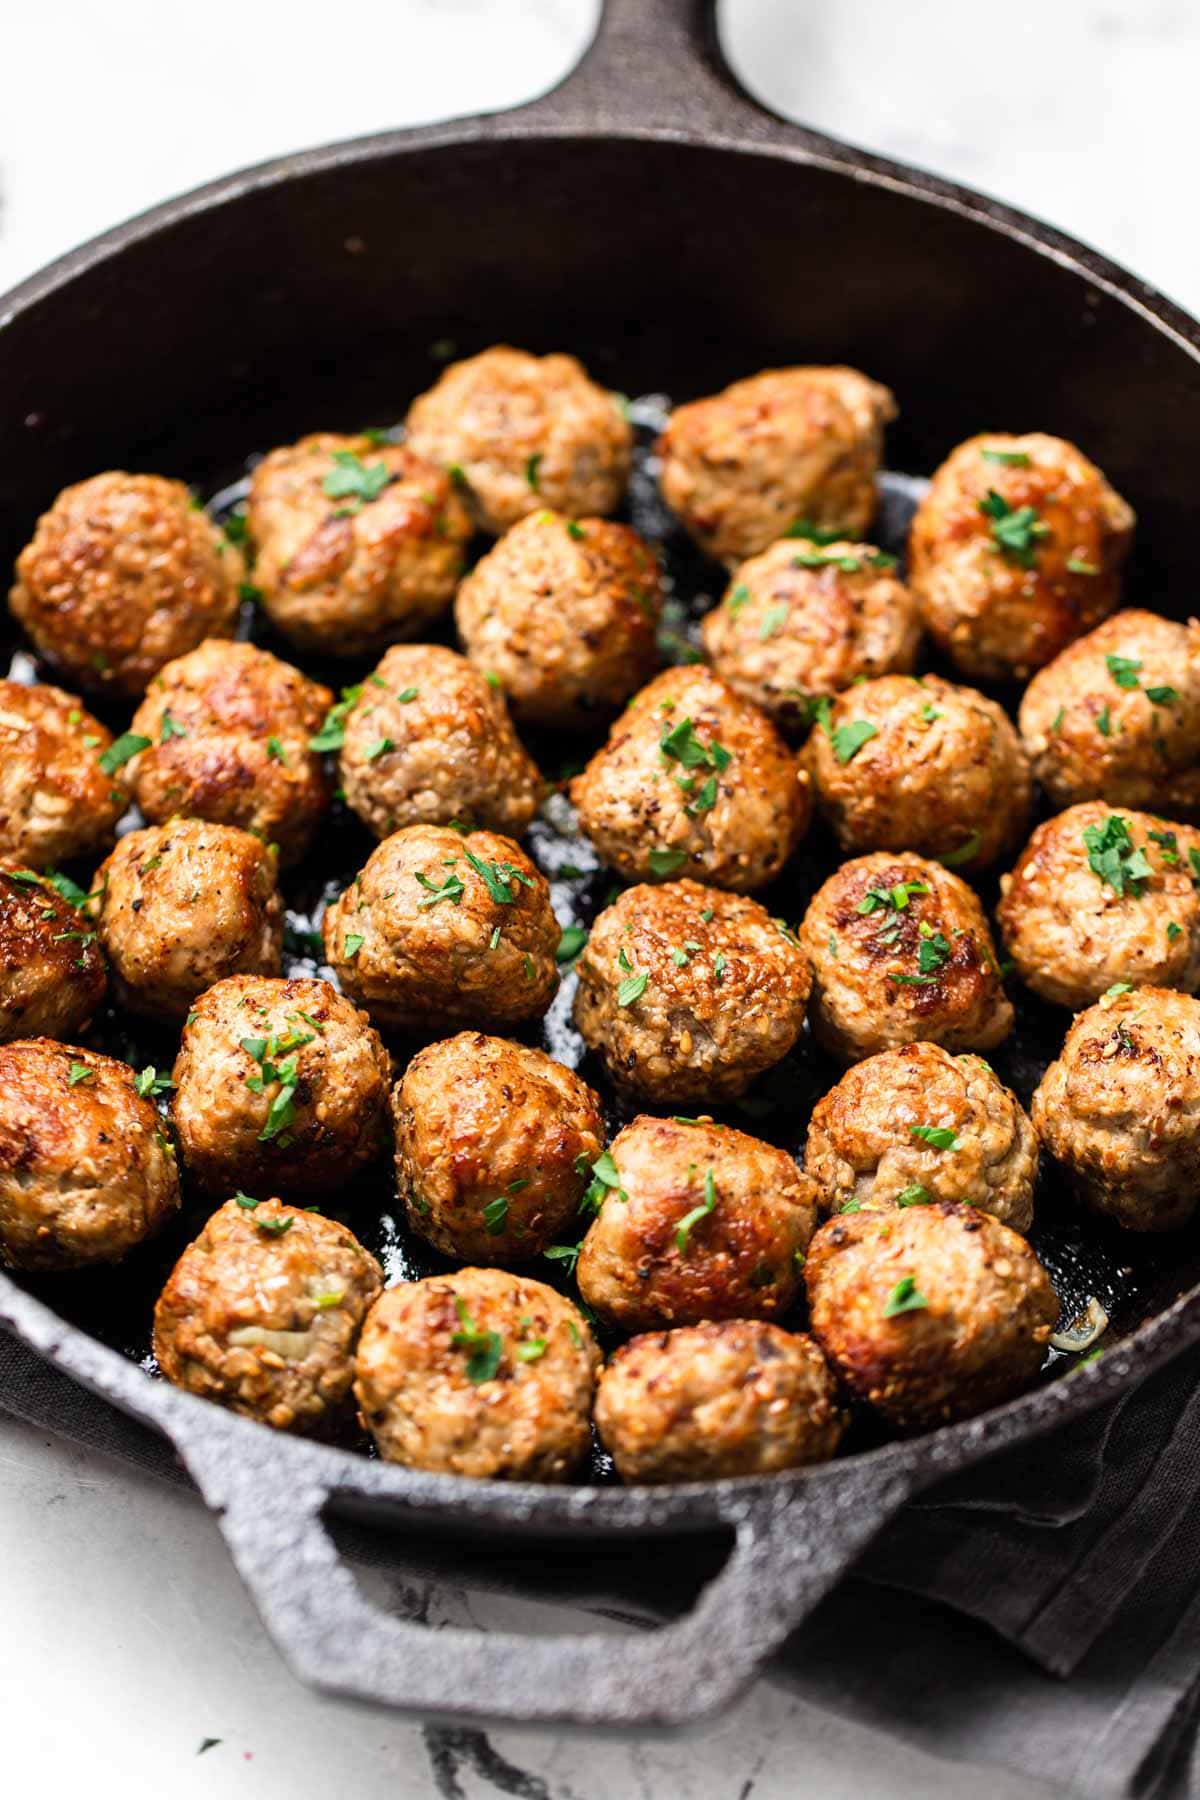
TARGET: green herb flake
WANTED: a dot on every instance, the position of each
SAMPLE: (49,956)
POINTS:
(149,1082)
(532,465)
(1007,459)
(738,598)
(571,942)
(495,1215)
(1114,859)
(1104,723)
(485,1347)
(274,1226)
(1015,530)
(665,862)
(566,1254)
(916,1195)
(79,1072)
(352,943)
(498,878)
(954,859)
(531,1350)
(247,1201)
(1173,931)
(171,728)
(332,734)
(1162,696)
(773,621)
(575,529)
(380,748)
(1125,670)
(938,1137)
(1118,987)
(848,740)
(128,745)
(690,1220)
(632,989)
(904,1297)
(1077,566)
(275,752)
(351,478)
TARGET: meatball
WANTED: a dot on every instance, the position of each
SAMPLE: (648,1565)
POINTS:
(494,1145)
(427,740)
(931,1314)
(263,1311)
(60,791)
(356,543)
(279,1085)
(86,1170)
(696,1221)
(694,780)
(480,1373)
(731,1397)
(1116,717)
(522,432)
(803,620)
(1099,897)
(1015,550)
(900,950)
(914,1126)
(227,730)
(441,929)
(689,993)
(123,573)
(180,906)
(900,764)
(563,613)
(780,451)
(52,975)
(1120,1109)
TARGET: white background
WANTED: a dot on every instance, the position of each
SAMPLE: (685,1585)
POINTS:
(126,1638)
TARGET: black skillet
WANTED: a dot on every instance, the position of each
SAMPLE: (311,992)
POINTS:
(651,218)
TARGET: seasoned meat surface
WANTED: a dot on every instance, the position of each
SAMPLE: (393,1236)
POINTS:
(52,976)
(57,799)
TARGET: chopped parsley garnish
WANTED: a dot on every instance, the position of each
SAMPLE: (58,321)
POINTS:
(665,862)
(495,1215)
(1015,530)
(409,693)
(904,1297)
(632,988)
(1118,987)
(1104,723)
(79,1072)
(683,1230)
(531,1349)
(351,478)
(681,745)
(332,734)
(379,748)
(605,1175)
(566,1254)
(247,1201)
(851,1206)
(916,1195)
(171,728)
(954,859)
(532,466)
(1162,696)
(848,740)
(119,752)
(738,598)
(498,878)
(1113,857)
(1077,566)
(1059,716)
(773,620)
(719,967)
(485,1347)
(1173,931)
(575,529)
(705,800)
(938,1137)
(275,751)
(452,888)
(149,1082)
(897,898)
(235,526)
(275,1226)
(1008,459)
(571,942)
(1124,670)
(816,534)
(352,943)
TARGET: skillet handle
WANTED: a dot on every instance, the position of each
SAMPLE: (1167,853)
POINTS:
(791,1546)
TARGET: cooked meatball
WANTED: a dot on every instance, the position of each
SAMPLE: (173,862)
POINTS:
(441,929)
(263,1311)
(52,975)
(86,1170)
(123,573)
(913,1126)
(694,780)
(1116,717)
(706,1223)
(494,1144)
(930,1314)
(899,764)
(689,993)
(427,741)
(563,613)
(228,728)
(780,450)
(60,790)
(356,543)
(522,432)
(803,620)
(180,906)
(900,951)
(1099,897)
(279,1085)
(1016,549)
(1120,1109)
(734,1397)
(480,1373)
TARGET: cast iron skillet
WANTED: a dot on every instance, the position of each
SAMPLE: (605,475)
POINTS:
(649,217)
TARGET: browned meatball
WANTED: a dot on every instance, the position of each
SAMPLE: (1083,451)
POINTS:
(689,993)
(931,1314)
(427,740)
(357,543)
(1120,1109)
(61,792)
(279,1085)
(1099,897)
(916,1125)
(1116,717)
(706,1223)
(86,1170)
(899,764)
(522,432)
(263,1311)
(180,906)
(695,781)
(563,613)
(494,1144)
(900,951)
(52,975)
(481,1373)
(785,448)
(123,573)
(442,928)
(805,619)
(731,1397)
(1016,549)
(228,728)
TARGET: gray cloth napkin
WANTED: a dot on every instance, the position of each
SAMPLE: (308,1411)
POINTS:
(1040,1613)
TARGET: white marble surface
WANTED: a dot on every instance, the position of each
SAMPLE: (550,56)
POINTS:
(127,1639)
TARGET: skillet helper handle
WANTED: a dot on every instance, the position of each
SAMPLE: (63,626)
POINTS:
(790,1547)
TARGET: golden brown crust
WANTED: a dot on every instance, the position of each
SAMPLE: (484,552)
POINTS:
(56,801)
(229,728)
(262,1312)
(52,975)
(494,1143)
(1004,611)
(123,573)
(724,996)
